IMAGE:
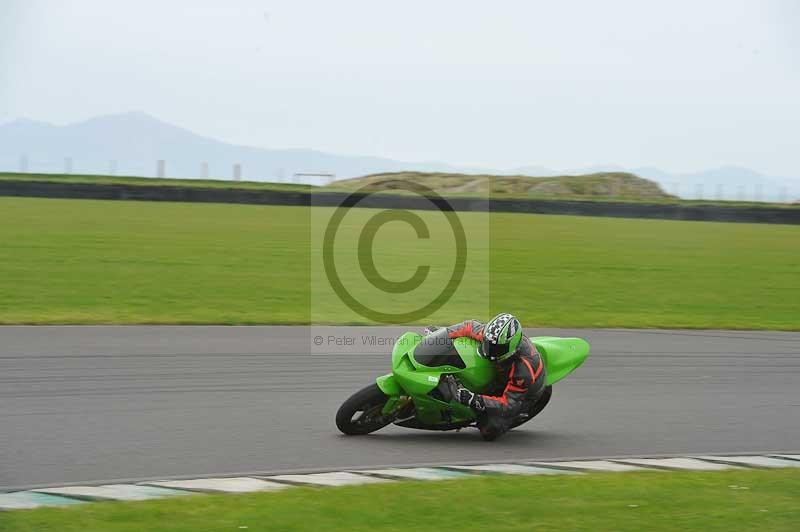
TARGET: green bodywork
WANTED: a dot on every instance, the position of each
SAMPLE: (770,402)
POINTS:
(411,380)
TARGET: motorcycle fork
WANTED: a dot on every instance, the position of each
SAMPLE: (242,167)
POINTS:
(395,404)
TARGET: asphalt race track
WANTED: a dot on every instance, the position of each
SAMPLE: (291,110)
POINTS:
(84,404)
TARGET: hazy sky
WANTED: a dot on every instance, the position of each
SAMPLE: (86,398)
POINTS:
(679,85)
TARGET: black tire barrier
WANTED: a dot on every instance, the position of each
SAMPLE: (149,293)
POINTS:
(615,209)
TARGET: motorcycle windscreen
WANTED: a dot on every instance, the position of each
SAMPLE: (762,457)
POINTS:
(561,355)
(437,350)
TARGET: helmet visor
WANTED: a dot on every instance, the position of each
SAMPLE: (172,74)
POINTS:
(494,351)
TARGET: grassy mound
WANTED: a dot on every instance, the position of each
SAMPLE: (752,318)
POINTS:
(620,185)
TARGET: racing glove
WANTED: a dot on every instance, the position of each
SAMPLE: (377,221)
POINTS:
(470,399)
(464,396)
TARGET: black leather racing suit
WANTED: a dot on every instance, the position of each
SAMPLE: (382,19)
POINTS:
(520,381)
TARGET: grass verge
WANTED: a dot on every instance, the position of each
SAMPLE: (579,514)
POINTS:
(91,179)
(81,261)
(708,501)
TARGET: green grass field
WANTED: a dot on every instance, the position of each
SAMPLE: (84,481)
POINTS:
(78,261)
(724,501)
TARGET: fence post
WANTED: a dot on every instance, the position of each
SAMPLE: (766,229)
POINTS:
(160,168)
(237,172)
(204,170)
(23,164)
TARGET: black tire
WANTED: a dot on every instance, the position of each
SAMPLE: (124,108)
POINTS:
(369,402)
(534,409)
(490,435)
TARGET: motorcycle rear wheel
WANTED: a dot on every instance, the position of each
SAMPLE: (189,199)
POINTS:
(361,413)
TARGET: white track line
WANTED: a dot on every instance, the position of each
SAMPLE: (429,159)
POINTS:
(223,485)
(687,464)
(753,461)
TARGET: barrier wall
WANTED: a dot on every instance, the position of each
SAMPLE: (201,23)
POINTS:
(710,213)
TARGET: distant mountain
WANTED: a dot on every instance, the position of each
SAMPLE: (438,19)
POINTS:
(538,171)
(725,182)
(131,143)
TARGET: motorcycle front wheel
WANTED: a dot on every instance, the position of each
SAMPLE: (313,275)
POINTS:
(361,413)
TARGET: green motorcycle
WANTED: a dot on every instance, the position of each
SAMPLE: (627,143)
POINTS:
(411,396)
